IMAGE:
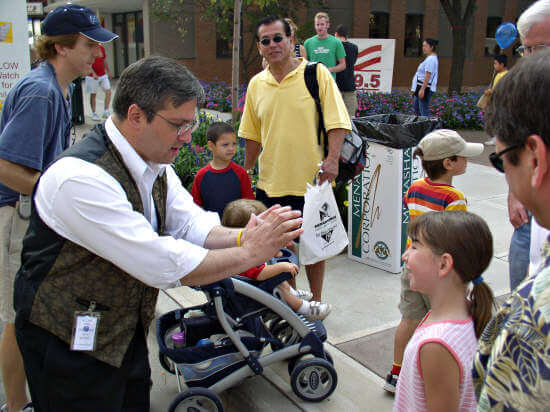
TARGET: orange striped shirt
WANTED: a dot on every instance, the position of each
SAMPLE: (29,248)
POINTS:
(426,196)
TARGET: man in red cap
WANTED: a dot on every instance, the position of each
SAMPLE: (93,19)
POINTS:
(34,128)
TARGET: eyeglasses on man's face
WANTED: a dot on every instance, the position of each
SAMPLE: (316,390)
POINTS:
(181,128)
(276,39)
(529,50)
(496,157)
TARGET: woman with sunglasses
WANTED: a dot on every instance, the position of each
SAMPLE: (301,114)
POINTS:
(425,79)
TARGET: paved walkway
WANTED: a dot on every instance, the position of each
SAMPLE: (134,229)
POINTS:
(360,328)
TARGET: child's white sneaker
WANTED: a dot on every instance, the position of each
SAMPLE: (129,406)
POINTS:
(106,114)
(317,311)
(95,117)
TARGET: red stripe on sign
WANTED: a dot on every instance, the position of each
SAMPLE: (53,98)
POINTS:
(368,63)
(371,49)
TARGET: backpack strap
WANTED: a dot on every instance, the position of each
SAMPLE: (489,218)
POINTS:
(310,77)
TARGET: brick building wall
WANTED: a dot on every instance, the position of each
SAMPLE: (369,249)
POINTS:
(477,67)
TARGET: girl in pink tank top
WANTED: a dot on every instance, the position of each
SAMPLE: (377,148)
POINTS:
(449,251)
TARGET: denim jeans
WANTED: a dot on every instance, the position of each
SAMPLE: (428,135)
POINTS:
(518,255)
(422,106)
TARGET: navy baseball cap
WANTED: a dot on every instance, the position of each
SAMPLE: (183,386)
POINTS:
(71,19)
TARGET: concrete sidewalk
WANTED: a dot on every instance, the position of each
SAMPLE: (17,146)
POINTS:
(361,325)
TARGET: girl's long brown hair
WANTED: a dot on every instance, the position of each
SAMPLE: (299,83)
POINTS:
(467,238)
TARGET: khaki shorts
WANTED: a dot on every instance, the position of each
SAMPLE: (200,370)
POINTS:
(412,305)
(350,100)
(12,230)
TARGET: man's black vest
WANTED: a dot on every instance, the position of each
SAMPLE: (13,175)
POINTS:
(59,277)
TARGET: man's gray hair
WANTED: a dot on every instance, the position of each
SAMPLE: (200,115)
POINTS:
(536,13)
(151,83)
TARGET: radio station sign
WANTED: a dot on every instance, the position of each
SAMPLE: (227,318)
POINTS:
(374,65)
(14,45)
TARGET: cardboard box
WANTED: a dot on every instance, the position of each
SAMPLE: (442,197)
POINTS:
(377,216)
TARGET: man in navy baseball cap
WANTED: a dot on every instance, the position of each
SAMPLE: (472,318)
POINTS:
(35,124)
(73,18)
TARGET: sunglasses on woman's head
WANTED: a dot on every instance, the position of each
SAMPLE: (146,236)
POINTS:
(277,39)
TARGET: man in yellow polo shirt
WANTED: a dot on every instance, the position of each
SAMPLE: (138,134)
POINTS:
(280,121)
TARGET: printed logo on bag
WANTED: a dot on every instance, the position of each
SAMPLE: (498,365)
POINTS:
(327,222)
(326,236)
(323,212)
(382,250)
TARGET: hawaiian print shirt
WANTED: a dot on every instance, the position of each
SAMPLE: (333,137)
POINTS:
(512,363)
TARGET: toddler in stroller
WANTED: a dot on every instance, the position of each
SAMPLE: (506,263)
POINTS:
(237,214)
(214,346)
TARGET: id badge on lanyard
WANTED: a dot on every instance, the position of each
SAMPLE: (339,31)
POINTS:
(85,326)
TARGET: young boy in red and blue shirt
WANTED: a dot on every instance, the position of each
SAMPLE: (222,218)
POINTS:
(222,180)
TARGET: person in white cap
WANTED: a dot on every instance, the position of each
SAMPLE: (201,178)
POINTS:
(444,155)
(35,128)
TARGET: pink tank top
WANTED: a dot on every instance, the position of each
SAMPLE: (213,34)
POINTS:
(460,340)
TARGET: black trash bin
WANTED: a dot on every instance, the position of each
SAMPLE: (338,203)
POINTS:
(377,217)
(395,130)
(77,102)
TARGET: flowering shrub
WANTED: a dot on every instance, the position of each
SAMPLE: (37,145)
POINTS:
(218,96)
(455,111)
(458,111)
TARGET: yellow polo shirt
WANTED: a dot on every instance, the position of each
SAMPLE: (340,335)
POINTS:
(498,77)
(282,117)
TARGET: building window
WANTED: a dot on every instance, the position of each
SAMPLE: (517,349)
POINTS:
(224,48)
(379,25)
(491,46)
(414,33)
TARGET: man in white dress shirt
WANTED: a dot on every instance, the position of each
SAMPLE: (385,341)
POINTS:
(111,224)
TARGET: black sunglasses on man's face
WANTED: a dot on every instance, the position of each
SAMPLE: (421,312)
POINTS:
(496,157)
(277,39)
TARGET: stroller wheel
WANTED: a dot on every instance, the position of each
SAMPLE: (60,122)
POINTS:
(196,400)
(313,379)
(293,361)
(285,333)
(167,364)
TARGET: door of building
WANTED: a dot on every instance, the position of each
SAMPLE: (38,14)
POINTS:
(129,47)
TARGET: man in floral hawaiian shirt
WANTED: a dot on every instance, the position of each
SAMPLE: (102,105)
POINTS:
(512,365)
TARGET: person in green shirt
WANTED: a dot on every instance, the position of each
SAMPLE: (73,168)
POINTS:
(324,47)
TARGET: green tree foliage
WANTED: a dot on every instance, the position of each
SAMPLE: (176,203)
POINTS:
(218,16)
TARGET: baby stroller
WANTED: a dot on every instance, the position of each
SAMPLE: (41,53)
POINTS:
(226,336)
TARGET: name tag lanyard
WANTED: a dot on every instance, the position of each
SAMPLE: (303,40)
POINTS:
(85,325)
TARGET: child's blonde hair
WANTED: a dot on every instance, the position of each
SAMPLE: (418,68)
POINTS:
(237,213)
(467,238)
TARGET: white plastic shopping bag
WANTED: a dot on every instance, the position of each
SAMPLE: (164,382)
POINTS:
(324,234)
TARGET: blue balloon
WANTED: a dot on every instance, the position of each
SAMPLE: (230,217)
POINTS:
(506,34)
